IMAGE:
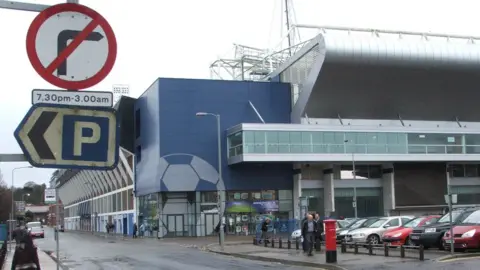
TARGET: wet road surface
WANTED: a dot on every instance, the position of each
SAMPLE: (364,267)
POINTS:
(86,252)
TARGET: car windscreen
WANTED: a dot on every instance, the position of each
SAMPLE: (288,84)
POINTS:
(36,229)
(414,222)
(368,222)
(446,217)
(342,224)
(379,223)
(473,218)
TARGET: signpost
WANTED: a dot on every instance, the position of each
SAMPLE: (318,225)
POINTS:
(66,137)
(50,196)
(71,46)
(74,98)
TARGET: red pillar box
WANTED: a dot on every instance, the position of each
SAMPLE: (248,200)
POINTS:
(330,240)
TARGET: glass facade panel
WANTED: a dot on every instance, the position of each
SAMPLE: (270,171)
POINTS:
(324,142)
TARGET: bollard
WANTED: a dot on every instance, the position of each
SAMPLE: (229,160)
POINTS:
(355,248)
(254,241)
(273,242)
(265,242)
(330,241)
(402,251)
(385,247)
(280,242)
(421,251)
(289,244)
(344,247)
(297,244)
(370,249)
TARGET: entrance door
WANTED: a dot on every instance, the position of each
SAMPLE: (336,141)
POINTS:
(211,222)
(175,225)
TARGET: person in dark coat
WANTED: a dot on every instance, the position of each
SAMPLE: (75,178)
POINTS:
(304,246)
(309,230)
(264,229)
(25,256)
(135,230)
(318,234)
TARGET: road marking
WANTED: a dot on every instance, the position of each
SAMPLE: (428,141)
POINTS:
(473,257)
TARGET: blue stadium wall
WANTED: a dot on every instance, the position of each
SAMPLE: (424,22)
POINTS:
(168,127)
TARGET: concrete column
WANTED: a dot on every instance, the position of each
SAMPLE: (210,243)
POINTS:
(388,182)
(328,191)
(161,230)
(297,193)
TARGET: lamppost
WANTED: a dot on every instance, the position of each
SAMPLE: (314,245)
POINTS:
(23,196)
(354,172)
(221,196)
(12,215)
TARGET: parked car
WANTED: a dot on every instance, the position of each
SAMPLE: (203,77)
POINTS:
(373,233)
(431,235)
(466,234)
(37,232)
(401,235)
(360,223)
(297,234)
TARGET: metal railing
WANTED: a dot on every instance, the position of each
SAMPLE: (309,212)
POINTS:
(412,252)
(308,148)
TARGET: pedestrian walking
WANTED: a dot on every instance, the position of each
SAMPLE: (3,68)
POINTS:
(304,244)
(264,229)
(135,229)
(142,230)
(25,256)
(308,232)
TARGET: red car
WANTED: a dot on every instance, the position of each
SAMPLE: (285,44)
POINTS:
(466,235)
(401,235)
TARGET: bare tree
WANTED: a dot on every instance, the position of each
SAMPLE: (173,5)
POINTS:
(5,199)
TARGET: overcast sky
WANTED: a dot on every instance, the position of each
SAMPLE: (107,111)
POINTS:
(180,38)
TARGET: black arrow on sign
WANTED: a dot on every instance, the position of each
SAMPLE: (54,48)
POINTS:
(63,38)
(36,135)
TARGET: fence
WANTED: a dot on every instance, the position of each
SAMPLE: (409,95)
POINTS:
(417,252)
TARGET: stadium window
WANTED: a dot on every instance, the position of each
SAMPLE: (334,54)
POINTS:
(471,170)
(457,170)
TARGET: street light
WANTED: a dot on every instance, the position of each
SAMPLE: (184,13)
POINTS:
(23,196)
(221,196)
(354,172)
(13,202)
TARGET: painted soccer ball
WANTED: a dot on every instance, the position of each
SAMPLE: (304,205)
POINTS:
(185,172)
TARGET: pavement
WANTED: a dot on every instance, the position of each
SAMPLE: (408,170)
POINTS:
(82,251)
(86,251)
(46,262)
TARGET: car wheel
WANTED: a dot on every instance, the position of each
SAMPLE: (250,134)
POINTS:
(373,239)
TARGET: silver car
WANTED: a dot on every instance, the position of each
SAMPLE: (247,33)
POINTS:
(373,233)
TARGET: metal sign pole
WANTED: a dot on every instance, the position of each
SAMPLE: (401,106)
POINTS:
(57,217)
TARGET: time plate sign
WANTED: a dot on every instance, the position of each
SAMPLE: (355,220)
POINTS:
(74,98)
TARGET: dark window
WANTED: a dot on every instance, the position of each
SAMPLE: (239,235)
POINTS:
(457,170)
(137,123)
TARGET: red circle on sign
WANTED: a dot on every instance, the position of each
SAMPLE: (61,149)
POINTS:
(42,70)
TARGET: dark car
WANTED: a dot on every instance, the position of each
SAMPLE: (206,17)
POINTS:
(431,235)
(358,223)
